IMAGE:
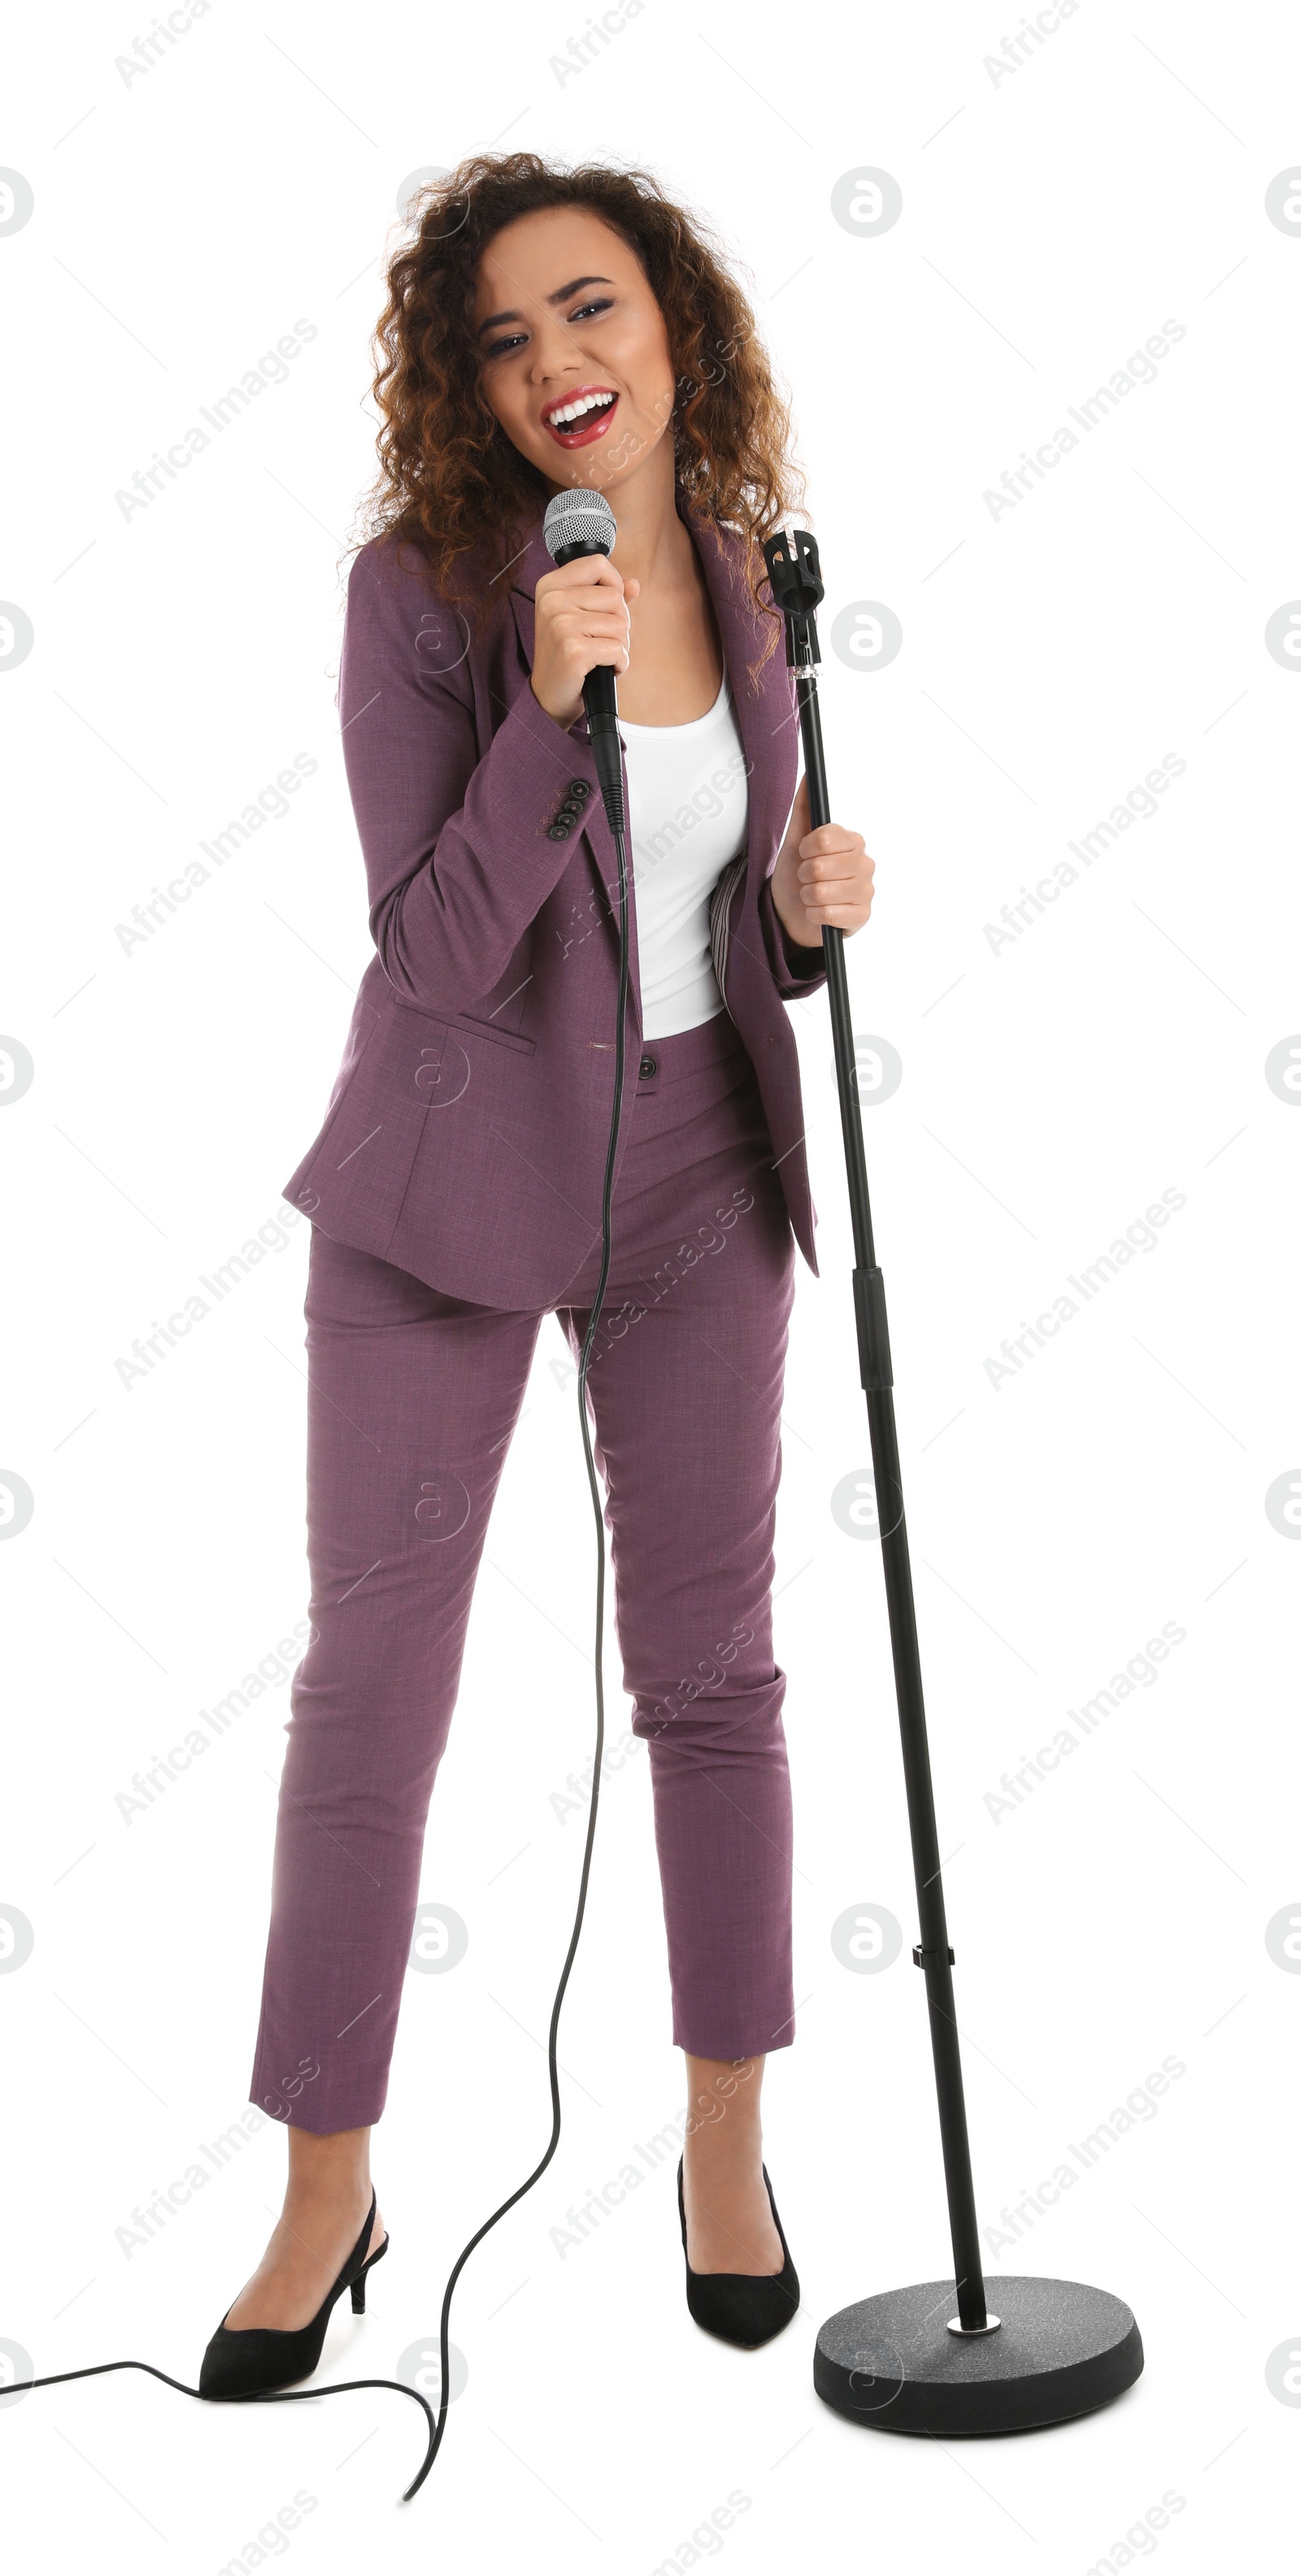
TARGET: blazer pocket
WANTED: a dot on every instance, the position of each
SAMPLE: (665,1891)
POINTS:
(465,1020)
(497,1037)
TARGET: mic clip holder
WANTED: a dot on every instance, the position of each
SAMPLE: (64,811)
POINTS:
(797,589)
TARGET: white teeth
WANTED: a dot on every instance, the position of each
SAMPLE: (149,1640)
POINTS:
(575,410)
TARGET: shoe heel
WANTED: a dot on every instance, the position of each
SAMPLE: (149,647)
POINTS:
(359,2296)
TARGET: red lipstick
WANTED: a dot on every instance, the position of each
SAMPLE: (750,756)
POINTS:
(590,425)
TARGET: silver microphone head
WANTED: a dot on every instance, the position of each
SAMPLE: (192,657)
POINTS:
(581,519)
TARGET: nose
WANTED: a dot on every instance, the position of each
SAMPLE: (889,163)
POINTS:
(555,350)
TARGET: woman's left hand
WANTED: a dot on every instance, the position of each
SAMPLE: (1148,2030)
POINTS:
(822,876)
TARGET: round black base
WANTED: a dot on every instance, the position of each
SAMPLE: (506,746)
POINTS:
(1061,2350)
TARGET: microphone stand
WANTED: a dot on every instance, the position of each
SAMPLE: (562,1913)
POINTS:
(900,2361)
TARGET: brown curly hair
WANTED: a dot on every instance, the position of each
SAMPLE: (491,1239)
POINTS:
(452,483)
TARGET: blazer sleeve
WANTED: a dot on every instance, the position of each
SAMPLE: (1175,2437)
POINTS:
(796,971)
(456,844)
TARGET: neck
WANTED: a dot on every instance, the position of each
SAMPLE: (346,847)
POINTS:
(653,544)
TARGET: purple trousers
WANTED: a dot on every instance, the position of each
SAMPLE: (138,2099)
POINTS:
(413,1398)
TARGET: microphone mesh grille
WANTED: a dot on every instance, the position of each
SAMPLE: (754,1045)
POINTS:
(579,518)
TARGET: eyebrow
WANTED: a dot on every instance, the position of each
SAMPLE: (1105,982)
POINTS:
(561,296)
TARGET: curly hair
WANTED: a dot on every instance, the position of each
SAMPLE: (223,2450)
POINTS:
(451,482)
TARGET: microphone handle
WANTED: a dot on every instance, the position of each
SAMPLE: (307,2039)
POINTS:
(602,710)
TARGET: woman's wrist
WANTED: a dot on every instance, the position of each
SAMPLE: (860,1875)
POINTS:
(565,722)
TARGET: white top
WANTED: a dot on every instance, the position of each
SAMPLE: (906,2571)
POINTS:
(689,817)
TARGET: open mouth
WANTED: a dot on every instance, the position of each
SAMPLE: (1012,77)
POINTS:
(581,417)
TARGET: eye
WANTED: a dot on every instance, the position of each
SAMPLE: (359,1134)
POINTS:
(515,340)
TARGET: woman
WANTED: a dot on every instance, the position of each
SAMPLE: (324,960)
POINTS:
(547,329)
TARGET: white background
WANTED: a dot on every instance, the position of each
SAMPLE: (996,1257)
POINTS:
(1052,220)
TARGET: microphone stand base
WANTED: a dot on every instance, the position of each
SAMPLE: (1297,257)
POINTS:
(1061,2350)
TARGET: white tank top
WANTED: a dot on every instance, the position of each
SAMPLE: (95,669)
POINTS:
(689,818)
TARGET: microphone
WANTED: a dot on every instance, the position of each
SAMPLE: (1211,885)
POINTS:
(583,523)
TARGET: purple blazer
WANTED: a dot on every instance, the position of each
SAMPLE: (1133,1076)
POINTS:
(466,1134)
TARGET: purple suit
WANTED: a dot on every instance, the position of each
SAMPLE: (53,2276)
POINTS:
(466,1135)
(455,1192)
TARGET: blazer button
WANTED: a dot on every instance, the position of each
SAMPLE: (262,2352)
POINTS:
(558,832)
(647,1067)
(579,787)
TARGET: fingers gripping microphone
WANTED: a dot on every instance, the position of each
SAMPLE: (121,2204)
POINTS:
(583,523)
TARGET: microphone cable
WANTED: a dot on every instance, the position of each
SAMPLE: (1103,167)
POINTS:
(554,2140)
(605,746)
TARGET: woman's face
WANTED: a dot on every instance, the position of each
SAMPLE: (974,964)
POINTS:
(567,325)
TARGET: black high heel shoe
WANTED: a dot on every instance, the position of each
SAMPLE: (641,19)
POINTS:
(746,2308)
(242,2361)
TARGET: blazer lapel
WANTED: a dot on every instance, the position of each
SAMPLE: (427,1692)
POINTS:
(523,576)
(764,708)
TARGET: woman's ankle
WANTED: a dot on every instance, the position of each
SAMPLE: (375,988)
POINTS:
(330,2168)
(723,2110)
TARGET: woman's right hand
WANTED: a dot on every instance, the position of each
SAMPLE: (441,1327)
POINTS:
(581,612)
